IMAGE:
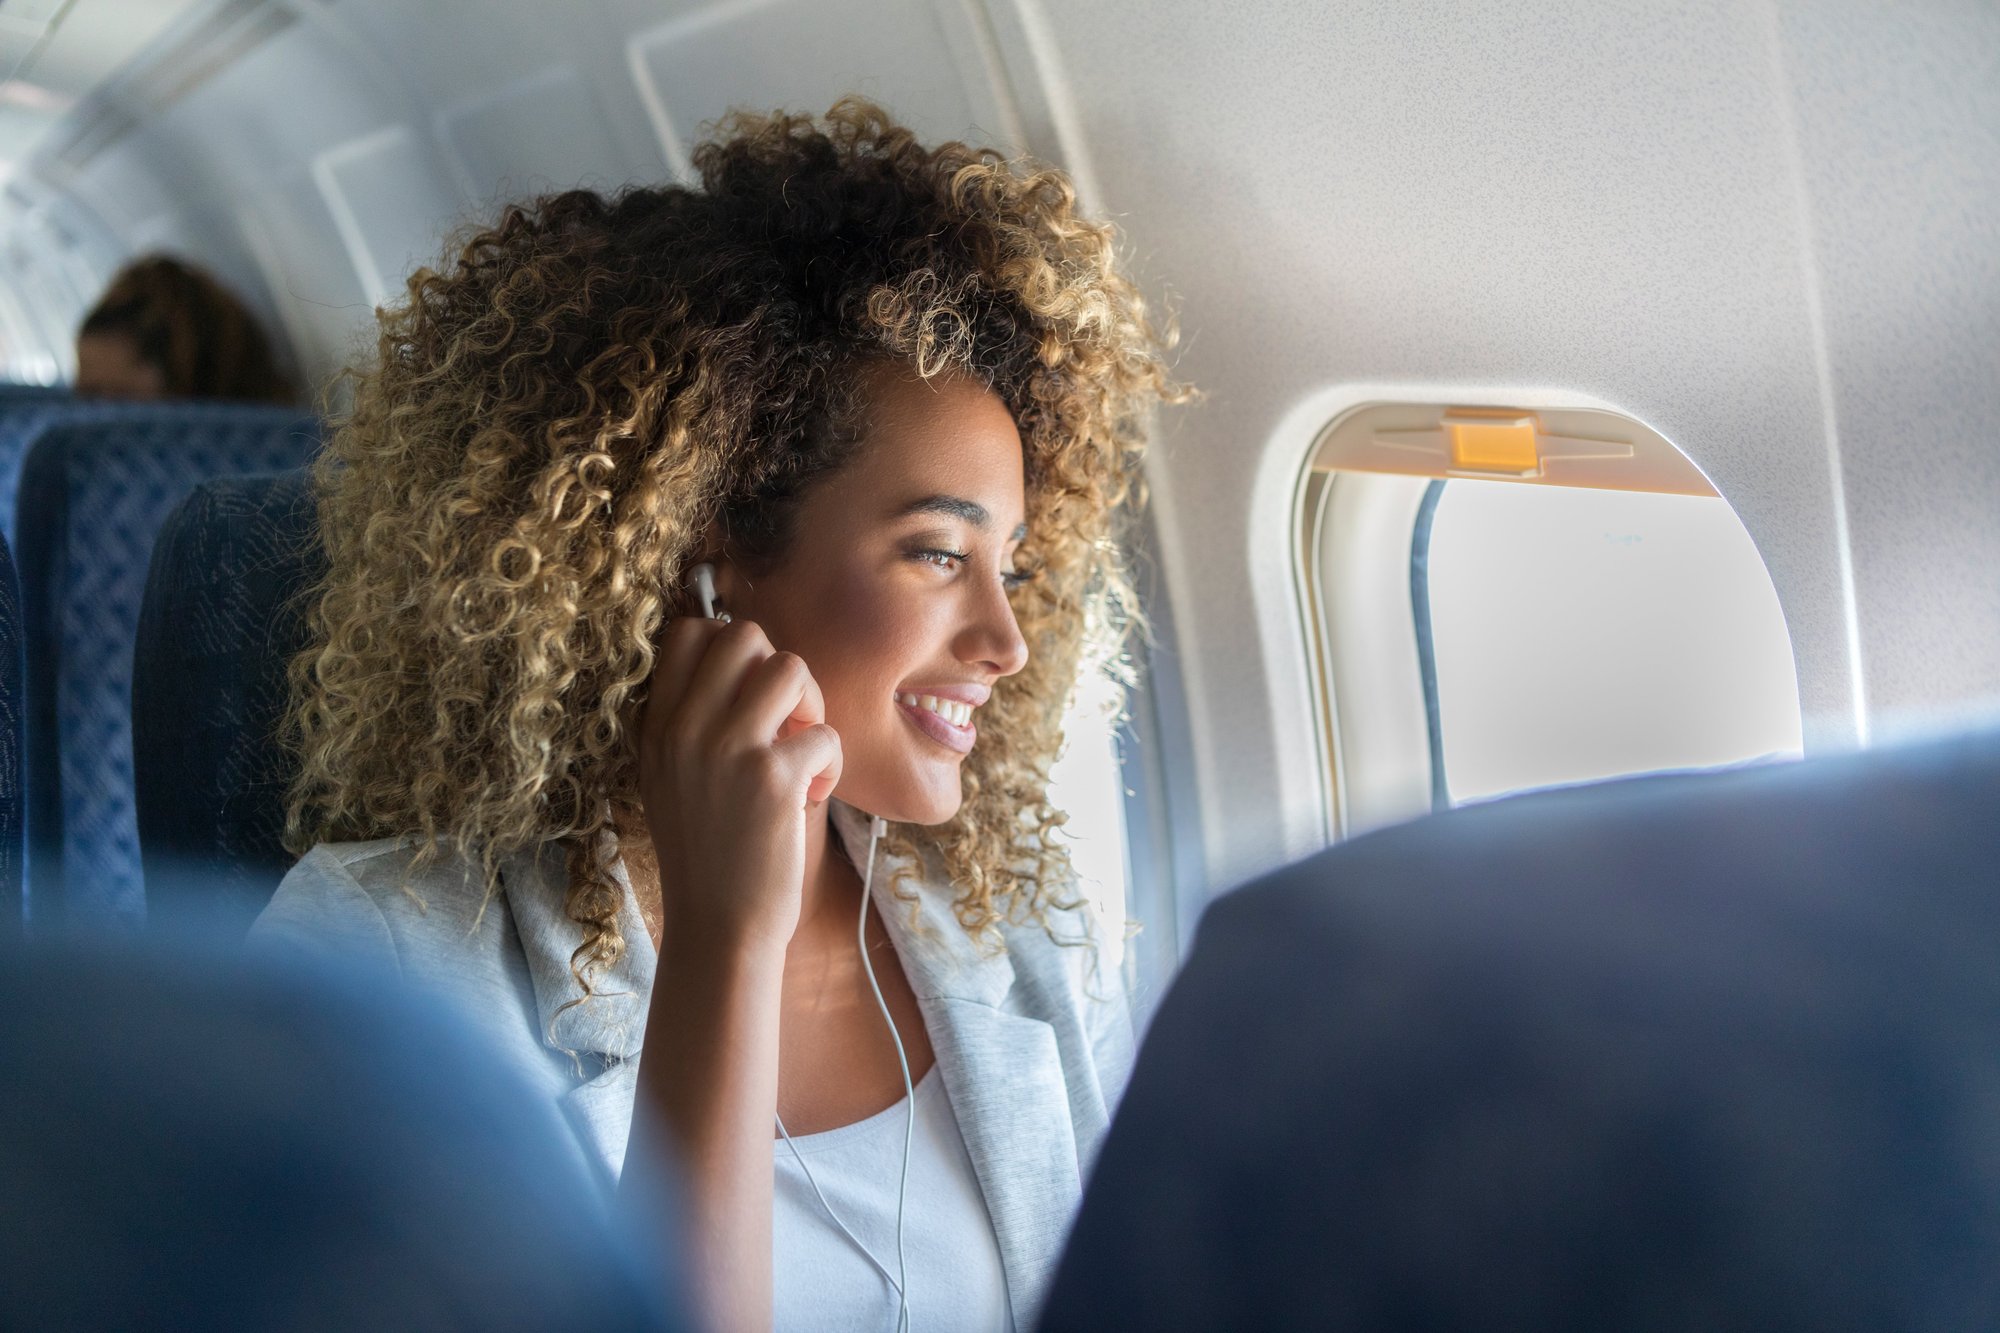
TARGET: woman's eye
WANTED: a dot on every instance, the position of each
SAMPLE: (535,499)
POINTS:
(951,560)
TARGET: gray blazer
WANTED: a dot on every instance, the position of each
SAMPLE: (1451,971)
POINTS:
(1033,1044)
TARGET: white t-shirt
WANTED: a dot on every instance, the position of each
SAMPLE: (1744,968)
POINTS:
(824,1284)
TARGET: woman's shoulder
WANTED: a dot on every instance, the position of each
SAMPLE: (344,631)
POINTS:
(1068,967)
(1069,952)
(373,898)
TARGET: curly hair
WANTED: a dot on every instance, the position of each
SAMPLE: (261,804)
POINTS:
(205,344)
(556,421)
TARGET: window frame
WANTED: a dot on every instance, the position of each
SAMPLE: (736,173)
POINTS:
(1164,847)
(1356,523)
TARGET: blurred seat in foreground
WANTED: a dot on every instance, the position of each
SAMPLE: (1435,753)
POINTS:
(199,1143)
(13,708)
(1716,1051)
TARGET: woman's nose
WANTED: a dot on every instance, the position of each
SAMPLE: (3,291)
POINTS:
(993,637)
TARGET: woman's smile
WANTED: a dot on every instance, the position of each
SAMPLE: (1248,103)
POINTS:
(944,716)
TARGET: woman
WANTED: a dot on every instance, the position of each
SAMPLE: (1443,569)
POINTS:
(165,329)
(893,396)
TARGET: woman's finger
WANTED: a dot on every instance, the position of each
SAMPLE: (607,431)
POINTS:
(682,647)
(711,692)
(813,755)
(779,697)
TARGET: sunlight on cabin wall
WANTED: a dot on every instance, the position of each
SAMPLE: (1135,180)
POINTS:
(1086,782)
(1583,633)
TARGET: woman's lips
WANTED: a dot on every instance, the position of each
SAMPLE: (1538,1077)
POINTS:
(947,734)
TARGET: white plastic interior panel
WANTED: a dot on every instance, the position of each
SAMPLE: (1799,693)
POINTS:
(54,53)
(1377,741)
(543,133)
(1898,123)
(389,205)
(1526,196)
(926,58)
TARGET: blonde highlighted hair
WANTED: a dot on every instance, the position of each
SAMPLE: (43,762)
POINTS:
(555,419)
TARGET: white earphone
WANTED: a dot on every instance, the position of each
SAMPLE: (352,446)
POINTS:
(703,578)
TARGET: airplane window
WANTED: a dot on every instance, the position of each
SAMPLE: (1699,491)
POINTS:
(1580,633)
(1088,782)
(1499,598)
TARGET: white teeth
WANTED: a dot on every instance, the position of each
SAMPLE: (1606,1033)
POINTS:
(951,710)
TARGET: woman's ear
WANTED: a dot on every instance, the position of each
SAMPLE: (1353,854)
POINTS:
(733,591)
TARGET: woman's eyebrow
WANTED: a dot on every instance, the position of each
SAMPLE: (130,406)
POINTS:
(952,506)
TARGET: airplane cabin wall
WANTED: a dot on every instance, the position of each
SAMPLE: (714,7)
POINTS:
(1764,229)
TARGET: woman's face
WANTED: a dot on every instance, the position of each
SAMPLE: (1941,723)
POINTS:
(110,365)
(894,589)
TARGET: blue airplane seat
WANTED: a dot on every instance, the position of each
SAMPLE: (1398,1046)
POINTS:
(1712,1051)
(223,614)
(13,808)
(93,496)
(29,411)
(191,1140)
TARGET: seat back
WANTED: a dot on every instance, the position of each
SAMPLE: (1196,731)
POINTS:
(1691,1052)
(190,1140)
(93,496)
(223,614)
(29,411)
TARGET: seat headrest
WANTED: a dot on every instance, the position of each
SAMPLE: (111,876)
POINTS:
(1705,1051)
(223,615)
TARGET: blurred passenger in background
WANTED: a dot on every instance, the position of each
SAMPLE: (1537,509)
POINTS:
(164,329)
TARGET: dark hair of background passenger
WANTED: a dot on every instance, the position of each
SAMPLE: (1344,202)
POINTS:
(205,343)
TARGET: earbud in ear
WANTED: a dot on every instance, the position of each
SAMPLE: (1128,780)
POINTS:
(702,577)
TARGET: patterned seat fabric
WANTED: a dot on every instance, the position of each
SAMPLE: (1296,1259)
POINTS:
(223,614)
(12,812)
(93,495)
(28,412)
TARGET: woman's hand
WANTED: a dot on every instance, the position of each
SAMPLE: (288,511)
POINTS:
(733,748)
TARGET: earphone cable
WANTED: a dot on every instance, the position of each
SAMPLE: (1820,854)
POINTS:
(876,827)
(900,1280)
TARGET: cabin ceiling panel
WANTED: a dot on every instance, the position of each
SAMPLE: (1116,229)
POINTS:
(274,111)
(246,124)
(54,55)
(452,51)
(931,61)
